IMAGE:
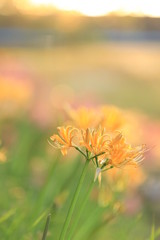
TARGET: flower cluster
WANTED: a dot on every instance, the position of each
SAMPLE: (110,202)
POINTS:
(105,149)
(108,116)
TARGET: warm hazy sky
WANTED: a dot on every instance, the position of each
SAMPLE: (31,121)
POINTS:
(101,7)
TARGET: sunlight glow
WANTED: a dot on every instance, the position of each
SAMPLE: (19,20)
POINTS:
(102,7)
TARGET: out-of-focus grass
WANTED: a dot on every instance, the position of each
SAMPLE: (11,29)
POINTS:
(33,181)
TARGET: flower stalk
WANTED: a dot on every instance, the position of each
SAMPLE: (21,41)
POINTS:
(73,203)
(80,210)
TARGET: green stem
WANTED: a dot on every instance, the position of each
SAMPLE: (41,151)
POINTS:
(106,169)
(99,154)
(73,203)
(46,226)
(79,150)
(96,161)
(76,220)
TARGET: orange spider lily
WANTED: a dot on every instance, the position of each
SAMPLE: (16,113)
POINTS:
(112,118)
(121,153)
(95,141)
(84,117)
(64,140)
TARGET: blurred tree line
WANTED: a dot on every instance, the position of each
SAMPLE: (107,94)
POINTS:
(16,13)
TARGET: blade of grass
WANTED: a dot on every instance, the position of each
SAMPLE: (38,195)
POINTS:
(46,226)
(7,215)
(152,237)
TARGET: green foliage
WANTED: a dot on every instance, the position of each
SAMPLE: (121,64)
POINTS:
(35,182)
(26,200)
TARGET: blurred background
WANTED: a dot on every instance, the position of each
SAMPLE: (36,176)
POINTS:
(55,53)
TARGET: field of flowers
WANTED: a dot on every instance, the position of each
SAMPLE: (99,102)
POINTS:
(80,145)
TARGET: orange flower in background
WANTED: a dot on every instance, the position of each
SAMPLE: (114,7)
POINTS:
(119,180)
(2,156)
(14,91)
(112,118)
(107,116)
(133,176)
(84,117)
(64,140)
(121,153)
(15,95)
(125,177)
